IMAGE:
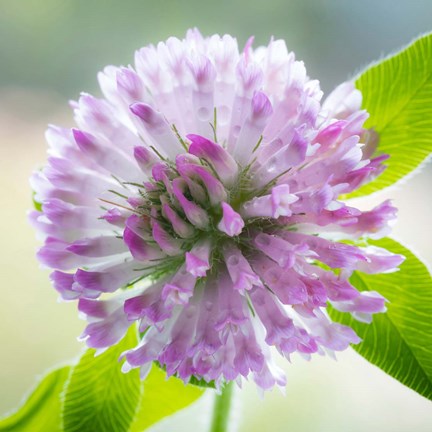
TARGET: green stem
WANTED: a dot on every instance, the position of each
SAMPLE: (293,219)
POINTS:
(221,409)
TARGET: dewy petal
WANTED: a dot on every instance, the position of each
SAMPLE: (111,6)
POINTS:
(194,213)
(271,313)
(249,356)
(140,226)
(166,242)
(106,332)
(180,288)
(286,284)
(329,135)
(207,339)
(130,85)
(158,128)
(232,306)
(145,159)
(231,223)
(67,215)
(239,269)
(278,203)
(335,336)
(55,254)
(363,306)
(292,154)
(139,248)
(63,283)
(149,307)
(276,248)
(379,260)
(108,279)
(281,201)
(115,217)
(181,336)
(376,222)
(181,227)
(269,376)
(253,127)
(107,157)
(98,246)
(224,165)
(335,255)
(197,260)
(215,190)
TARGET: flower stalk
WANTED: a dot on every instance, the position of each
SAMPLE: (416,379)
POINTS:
(221,409)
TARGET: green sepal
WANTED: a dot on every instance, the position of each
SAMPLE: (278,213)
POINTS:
(194,380)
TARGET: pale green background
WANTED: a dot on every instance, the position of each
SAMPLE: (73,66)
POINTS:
(52,49)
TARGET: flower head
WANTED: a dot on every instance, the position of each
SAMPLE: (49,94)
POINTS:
(200,199)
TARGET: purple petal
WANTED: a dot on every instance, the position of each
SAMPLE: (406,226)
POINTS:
(231,223)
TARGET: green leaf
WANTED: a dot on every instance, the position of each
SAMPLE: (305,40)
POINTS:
(41,411)
(397,92)
(99,396)
(399,341)
(163,397)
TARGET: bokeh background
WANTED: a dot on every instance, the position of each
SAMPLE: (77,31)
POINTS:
(50,50)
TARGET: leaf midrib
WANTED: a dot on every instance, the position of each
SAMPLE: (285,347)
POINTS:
(95,420)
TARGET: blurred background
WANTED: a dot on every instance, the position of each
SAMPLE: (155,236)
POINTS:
(51,50)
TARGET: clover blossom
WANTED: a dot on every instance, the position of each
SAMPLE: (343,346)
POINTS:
(200,198)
